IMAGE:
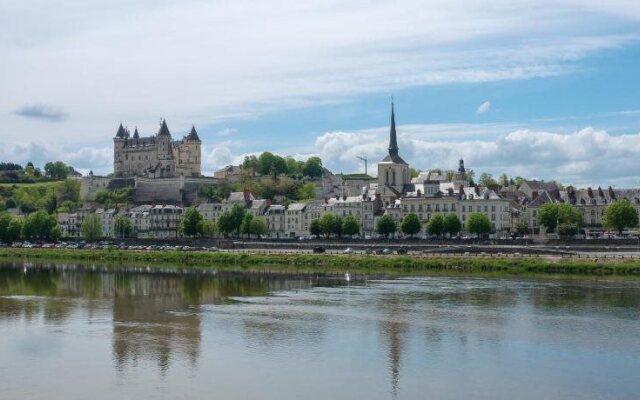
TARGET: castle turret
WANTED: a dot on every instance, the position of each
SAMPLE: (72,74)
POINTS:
(164,130)
(193,135)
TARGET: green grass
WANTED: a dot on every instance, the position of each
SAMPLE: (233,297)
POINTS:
(305,263)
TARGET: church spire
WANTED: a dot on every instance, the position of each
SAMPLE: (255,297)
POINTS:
(393,155)
(393,140)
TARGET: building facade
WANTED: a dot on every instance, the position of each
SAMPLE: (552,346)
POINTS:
(157,156)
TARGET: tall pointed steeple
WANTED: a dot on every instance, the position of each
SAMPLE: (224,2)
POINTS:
(393,140)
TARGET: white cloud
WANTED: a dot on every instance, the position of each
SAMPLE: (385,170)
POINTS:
(587,156)
(227,132)
(204,62)
(484,108)
(84,158)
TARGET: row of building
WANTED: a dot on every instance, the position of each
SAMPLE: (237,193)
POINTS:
(392,193)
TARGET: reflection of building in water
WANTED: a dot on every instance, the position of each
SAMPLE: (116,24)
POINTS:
(151,322)
(393,329)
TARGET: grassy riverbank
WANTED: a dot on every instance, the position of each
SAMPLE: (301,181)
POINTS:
(306,263)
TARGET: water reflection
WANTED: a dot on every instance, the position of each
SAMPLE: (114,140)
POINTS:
(403,338)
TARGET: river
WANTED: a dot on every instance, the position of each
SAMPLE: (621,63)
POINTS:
(79,333)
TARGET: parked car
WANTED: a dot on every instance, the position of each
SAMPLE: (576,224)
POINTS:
(402,250)
(319,249)
(348,250)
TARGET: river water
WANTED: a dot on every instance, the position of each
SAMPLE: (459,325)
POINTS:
(67,333)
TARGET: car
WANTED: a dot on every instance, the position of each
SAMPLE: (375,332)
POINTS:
(319,249)
(369,250)
(348,250)
(402,250)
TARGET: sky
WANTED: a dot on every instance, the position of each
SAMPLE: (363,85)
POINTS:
(536,88)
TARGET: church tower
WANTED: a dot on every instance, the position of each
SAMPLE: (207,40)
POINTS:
(393,171)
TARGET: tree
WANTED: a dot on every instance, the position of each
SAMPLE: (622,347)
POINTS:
(245,225)
(413,172)
(57,170)
(251,164)
(315,228)
(313,167)
(91,228)
(478,224)
(68,190)
(504,180)
(487,180)
(452,224)
(518,180)
(435,226)
(307,191)
(14,230)
(207,228)
(39,226)
(552,214)
(327,224)
(386,225)
(410,224)
(259,226)
(619,215)
(231,220)
(226,224)
(190,222)
(350,226)
(122,226)
(5,220)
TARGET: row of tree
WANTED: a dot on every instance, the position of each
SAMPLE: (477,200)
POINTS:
(332,225)
(37,226)
(272,164)
(16,173)
(234,221)
(566,220)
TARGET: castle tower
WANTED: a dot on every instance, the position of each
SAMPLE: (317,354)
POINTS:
(393,171)
(188,152)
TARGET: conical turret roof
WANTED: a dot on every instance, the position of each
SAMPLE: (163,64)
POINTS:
(193,135)
(121,132)
(136,135)
(164,130)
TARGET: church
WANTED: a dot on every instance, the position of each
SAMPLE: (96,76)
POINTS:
(156,156)
(393,171)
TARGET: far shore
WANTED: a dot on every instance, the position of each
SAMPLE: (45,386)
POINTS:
(482,265)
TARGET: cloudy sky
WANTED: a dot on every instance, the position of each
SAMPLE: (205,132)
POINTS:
(545,89)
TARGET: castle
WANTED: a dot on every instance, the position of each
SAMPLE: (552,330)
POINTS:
(157,156)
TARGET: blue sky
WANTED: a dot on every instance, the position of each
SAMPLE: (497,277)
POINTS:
(544,89)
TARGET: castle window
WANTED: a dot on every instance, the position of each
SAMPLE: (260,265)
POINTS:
(394,177)
(387,177)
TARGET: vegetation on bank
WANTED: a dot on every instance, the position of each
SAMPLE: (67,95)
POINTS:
(404,265)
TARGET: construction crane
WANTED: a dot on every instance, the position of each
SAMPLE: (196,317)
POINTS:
(364,158)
